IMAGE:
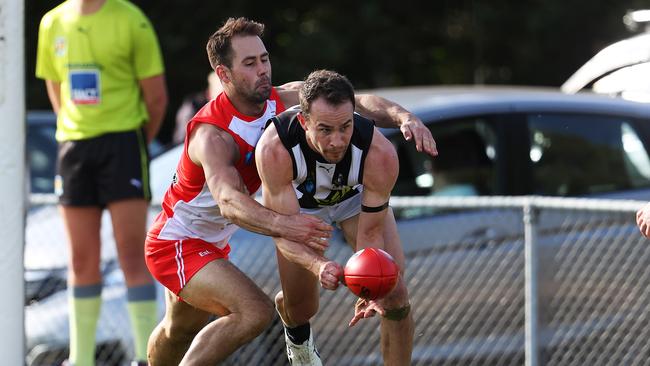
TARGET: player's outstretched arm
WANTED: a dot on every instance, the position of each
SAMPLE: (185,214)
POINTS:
(216,151)
(275,168)
(385,113)
(390,115)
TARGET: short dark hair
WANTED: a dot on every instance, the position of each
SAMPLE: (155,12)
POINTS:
(334,87)
(219,45)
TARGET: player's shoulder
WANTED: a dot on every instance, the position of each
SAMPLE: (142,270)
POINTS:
(269,142)
(381,143)
(215,110)
(272,158)
(287,127)
(359,118)
(207,140)
(381,150)
(287,115)
(381,166)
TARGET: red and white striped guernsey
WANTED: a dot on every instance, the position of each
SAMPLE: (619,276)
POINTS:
(188,208)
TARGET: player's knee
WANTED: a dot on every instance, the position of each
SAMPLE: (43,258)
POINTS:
(180,331)
(136,273)
(399,296)
(85,269)
(258,315)
(182,326)
(279,301)
(397,304)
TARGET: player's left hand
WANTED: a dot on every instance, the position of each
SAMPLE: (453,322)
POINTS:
(366,309)
(414,129)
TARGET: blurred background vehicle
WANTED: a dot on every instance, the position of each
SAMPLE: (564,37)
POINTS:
(492,141)
(621,69)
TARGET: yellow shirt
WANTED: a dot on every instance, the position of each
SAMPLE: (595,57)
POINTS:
(99,60)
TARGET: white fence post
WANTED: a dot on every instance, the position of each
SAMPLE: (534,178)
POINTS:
(531,278)
(12,182)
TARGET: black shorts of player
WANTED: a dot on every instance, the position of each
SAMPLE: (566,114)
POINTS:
(103,169)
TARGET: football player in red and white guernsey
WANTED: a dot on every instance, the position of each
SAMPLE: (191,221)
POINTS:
(212,195)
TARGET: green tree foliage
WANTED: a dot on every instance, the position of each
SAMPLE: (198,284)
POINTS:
(381,43)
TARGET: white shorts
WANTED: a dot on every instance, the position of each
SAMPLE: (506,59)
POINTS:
(339,212)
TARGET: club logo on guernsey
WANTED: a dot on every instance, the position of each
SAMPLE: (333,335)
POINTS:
(309,185)
(338,183)
(248,160)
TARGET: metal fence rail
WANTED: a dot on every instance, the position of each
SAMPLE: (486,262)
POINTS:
(493,281)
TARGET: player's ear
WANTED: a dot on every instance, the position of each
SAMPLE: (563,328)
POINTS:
(302,120)
(223,73)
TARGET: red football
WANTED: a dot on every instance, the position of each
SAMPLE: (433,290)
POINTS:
(371,273)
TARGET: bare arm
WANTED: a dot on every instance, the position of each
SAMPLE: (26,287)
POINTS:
(154,93)
(289,93)
(385,113)
(216,151)
(381,169)
(390,115)
(54,93)
(274,166)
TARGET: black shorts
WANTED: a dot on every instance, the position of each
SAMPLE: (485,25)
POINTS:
(103,169)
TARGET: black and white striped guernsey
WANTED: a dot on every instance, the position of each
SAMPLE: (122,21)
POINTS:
(318,183)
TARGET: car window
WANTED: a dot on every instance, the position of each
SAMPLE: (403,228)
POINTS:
(41,157)
(576,155)
(465,166)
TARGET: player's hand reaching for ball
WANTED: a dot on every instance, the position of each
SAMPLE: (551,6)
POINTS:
(307,229)
(329,274)
(366,309)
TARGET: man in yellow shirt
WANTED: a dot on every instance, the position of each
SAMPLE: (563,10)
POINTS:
(104,73)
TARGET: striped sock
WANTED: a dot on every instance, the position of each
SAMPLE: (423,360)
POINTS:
(84,305)
(143,312)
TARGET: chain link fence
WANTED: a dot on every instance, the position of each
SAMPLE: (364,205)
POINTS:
(493,281)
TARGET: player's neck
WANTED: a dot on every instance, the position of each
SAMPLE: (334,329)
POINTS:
(87,7)
(244,106)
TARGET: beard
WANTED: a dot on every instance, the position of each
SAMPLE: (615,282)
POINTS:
(256,95)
